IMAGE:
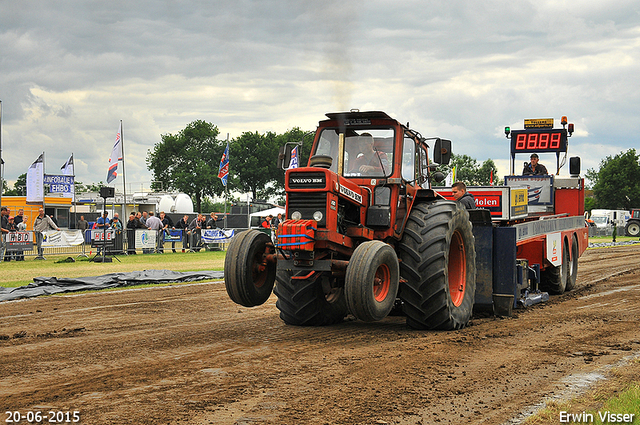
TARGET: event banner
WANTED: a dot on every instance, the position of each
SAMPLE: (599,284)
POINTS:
(216,235)
(62,238)
(60,184)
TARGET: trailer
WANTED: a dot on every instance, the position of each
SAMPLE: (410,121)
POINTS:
(365,232)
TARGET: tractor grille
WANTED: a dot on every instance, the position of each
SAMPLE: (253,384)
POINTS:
(307,204)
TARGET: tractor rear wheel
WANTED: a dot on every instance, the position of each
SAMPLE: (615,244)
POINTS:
(554,279)
(632,228)
(438,262)
(312,301)
(248,277)
(371,282)
(572,267)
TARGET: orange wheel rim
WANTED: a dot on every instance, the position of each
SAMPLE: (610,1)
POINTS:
(457,269)
(381,283)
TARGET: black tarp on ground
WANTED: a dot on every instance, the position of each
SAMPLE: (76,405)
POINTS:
(53,285)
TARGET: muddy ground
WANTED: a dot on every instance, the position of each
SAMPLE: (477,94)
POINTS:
(188,355)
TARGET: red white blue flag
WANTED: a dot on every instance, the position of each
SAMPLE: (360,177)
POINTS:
(294,158)
(223,171)
(116,155)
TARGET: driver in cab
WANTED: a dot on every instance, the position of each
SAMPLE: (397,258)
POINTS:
(370,161)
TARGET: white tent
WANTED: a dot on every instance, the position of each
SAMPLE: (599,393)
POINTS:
(273,211)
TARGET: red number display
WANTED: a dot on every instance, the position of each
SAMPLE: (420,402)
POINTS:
(543,141)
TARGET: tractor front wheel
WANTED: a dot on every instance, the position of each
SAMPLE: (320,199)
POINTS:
(371,282)
(248,276)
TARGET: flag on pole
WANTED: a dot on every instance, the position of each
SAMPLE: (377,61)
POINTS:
(67,167)
(294,158)
(451,178)
(35,180)
(223,171)
(116,155)
(491,180)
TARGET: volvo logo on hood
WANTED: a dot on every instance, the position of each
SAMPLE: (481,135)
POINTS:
(308,180)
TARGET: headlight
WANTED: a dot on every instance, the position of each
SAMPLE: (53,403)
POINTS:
(317,216)
(296,215)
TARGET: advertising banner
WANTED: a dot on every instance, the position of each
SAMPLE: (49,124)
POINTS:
(19,241)
(216,235)
(62,238)
(146,238)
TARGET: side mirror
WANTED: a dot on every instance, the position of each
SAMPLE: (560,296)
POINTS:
(281,157)
(442,151)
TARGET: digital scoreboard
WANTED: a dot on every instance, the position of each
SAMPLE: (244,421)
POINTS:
(539,140)
(539,136)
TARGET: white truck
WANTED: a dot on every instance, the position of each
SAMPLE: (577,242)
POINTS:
(608,218)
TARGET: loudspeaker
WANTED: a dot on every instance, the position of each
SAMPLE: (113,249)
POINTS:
(107,192)
(574,166)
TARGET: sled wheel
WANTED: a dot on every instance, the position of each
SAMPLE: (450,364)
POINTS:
(438,262)
(572,267)
(554,278)
(248,277)
(371,282)
(314,300)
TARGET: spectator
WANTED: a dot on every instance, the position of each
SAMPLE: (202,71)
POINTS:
(183,224)
(211,223)
(194,229)
(3,226)
(82,225)
(19,218)
(167,223)
(132,225)
(22,227)
(102,225)
(460,194)
(143,218)
(155,224)
(266,223)
(10,227)
(41,224)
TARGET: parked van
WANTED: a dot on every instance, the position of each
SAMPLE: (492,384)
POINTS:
(607,218)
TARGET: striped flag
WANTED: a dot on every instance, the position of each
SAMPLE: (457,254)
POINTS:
(67,167)
(116,155)
(294,158)
(223,171)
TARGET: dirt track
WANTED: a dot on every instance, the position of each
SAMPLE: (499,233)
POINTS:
(188,355)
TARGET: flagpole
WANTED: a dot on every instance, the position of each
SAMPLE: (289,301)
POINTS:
(226,188)
(124,184)
(44,199)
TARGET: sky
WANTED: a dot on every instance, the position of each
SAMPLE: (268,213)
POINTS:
(461,70)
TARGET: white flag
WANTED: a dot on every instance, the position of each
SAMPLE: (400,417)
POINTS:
(67,167)
(35,180)
(116,155)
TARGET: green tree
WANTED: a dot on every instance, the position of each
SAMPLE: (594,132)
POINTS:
(19,187)
(616,185)
(253,162)
(470,172)
(188,161)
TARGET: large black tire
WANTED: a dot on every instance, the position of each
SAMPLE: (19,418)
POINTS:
(572,267)
(248,277)
(632,228)
(371,282)
(314,301)
(438,261)
(554,279)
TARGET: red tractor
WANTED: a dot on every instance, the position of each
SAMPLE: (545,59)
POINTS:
(364,233)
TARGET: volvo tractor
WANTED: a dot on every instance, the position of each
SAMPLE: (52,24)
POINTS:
(366,234)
